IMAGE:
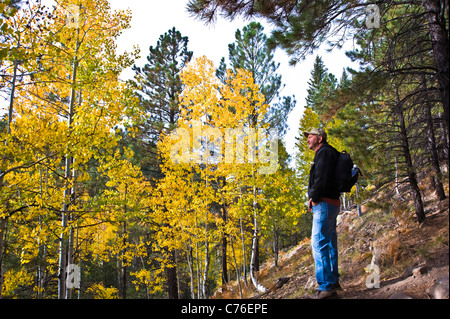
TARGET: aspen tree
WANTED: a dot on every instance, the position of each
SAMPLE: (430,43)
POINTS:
(69,110)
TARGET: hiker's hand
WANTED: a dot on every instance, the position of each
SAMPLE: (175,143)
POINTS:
(311,204)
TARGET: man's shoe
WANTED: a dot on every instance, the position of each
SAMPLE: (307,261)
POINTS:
(324,294)
(336,287)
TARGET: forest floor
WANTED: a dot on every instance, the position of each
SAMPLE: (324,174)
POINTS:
(413,259)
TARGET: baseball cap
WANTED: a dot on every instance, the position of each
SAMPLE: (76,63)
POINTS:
(316,131)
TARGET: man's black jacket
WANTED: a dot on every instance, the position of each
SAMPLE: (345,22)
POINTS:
(322,175)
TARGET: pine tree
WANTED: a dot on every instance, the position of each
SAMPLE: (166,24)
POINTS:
(251,52)
(321,85)
(158,87)
(302,26)
(387,106)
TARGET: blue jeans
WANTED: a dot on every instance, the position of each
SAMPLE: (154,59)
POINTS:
(324,244)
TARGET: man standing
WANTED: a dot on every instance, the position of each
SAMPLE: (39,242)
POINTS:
(324,203)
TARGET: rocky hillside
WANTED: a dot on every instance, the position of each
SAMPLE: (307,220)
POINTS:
(413,260)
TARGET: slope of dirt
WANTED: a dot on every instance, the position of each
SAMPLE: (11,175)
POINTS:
(412,259)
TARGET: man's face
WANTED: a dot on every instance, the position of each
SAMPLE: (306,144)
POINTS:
(313,141)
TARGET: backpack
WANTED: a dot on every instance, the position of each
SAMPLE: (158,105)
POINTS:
(347,173)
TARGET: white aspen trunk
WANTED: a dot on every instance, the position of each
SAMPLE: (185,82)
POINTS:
(40,247)
(123,269)
(2,236)
(67,191)
(11,95)
(236,268)
(3,221)
(253,273)
(39,269)
(205,272)
(253,268)
(243,253)
(189,259)
(71,240)
(253,261)
(69,260)
(198,261)
(63,244)
(191,269)
(70,248)
(76,245)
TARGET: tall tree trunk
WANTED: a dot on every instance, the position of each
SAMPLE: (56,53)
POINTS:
(11,96)
(253,262)
(63,244)
(197,251)
(431,140)
(224,262)
(206,270)
(189,258)
(171,269)
(397,183)
(68,178)
(69,259)
(244,259)
(412,177)
(2,245)
(276,236)
(238,278)
(171,273)
(123,270)
(444,141)
(3,220)
(70,244)
(224,246)
(123,262)
(435,15)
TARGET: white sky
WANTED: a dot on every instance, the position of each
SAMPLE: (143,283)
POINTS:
(150,19)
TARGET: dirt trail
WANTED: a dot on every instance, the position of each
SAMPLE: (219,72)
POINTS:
(426,269)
